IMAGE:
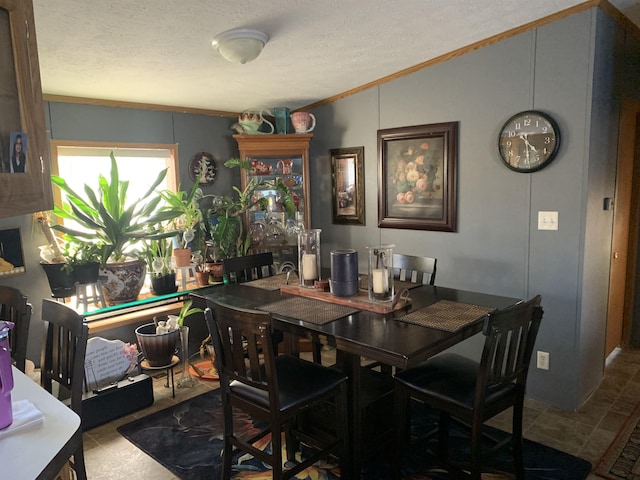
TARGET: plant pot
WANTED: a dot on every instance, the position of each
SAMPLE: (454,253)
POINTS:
(216,270)
(158,349)
(164,284)
(123,281)
(182,256)
(202,278)
(87,273)
(61,282)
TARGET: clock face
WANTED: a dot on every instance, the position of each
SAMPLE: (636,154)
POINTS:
(528,141)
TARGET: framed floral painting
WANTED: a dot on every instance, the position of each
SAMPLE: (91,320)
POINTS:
(417,186)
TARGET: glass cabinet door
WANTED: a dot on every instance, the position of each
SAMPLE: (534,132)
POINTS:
(273,158)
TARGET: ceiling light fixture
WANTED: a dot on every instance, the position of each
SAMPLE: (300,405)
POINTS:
(241,45)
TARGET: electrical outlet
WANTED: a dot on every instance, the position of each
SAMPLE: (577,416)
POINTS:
(543,360)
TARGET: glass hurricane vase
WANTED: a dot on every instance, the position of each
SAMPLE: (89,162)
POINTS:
(186,380)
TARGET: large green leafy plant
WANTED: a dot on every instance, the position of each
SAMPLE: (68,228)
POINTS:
(229,235)
(109,218)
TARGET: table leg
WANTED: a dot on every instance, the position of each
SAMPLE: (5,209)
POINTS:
(351,366)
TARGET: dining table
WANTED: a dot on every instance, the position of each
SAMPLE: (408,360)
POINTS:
(36,452)
(400,338)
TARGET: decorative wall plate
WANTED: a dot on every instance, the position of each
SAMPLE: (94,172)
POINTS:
(203,169)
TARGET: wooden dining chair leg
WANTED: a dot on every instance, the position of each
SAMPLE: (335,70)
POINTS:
(276,451)
(443,436)
(516,439)
(227,450)
(476,449)
(400,404)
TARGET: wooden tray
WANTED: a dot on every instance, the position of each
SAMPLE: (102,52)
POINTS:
(360,300)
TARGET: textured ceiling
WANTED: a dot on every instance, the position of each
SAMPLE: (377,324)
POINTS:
(146,51)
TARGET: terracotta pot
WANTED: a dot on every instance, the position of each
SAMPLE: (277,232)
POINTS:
(216,270)
(202,278)
(158,349)
(123,281)
(182,256)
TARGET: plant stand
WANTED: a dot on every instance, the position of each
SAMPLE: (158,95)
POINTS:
(89,293)
(187,276)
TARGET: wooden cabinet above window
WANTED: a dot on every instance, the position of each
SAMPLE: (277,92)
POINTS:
(25,180)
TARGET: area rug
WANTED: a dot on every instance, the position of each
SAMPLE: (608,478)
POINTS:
(187,440)
(622,458)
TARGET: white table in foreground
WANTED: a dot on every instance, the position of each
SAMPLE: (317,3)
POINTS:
(26,454)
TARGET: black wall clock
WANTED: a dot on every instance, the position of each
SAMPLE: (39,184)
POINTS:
(203,169)
(528,141)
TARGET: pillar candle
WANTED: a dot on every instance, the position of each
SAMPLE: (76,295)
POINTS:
(380,280)
(309,267)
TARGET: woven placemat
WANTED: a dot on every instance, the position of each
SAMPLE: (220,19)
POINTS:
(446,315)
(309,310)
(273,283)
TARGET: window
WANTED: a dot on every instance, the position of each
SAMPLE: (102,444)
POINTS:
(80,163)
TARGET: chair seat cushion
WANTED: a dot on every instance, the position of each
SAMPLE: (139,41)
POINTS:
(449,378)
(300,382)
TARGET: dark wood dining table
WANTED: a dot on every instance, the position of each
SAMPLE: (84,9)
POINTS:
(365,334)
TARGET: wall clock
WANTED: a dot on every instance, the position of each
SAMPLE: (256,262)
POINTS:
(529,141)
(203,169)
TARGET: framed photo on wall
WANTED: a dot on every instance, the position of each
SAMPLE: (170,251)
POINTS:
(11,254)
(348,185)
(417,185)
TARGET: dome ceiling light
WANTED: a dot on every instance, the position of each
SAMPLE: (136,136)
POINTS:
(240,45)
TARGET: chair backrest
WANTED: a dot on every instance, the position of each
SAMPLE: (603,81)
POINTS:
(409,268)
(247,268)
(510,338)
(243,344)
(63,350)
(15,308)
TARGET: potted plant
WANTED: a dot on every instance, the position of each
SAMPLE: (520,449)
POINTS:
(83,259)
(157,255)
(229,235)
(187,222)
(106,216)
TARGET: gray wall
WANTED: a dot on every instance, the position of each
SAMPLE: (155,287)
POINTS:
(497,249)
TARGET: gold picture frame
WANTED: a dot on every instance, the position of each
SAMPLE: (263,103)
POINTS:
(348,185)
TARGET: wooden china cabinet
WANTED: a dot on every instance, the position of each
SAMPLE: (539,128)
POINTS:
(272,157)
(25,181)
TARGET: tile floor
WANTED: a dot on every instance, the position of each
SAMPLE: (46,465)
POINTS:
(585,433)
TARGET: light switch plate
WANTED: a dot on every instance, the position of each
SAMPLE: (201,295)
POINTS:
(547,220)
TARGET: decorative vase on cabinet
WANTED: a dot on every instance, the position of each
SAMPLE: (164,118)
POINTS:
(284,157)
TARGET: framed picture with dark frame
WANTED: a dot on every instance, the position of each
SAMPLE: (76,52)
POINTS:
(348,185)
(417,183)
(11,254)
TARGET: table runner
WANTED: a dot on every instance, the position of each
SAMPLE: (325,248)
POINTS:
(273,283)
(309,310)
(446,315)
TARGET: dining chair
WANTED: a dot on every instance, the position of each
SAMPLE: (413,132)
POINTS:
(15,308)
(275,389)
(249,267)
(62,362)
(473,392)
(413,269)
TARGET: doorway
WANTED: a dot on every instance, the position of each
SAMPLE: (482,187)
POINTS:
(619,331)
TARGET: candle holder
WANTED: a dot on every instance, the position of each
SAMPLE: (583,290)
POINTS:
(309,257)
(381,273)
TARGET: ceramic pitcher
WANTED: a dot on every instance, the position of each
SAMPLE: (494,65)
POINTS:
(251,122)
(303,122)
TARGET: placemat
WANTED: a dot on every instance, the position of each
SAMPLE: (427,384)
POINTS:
(309,310)
(273,283)
(446,315)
